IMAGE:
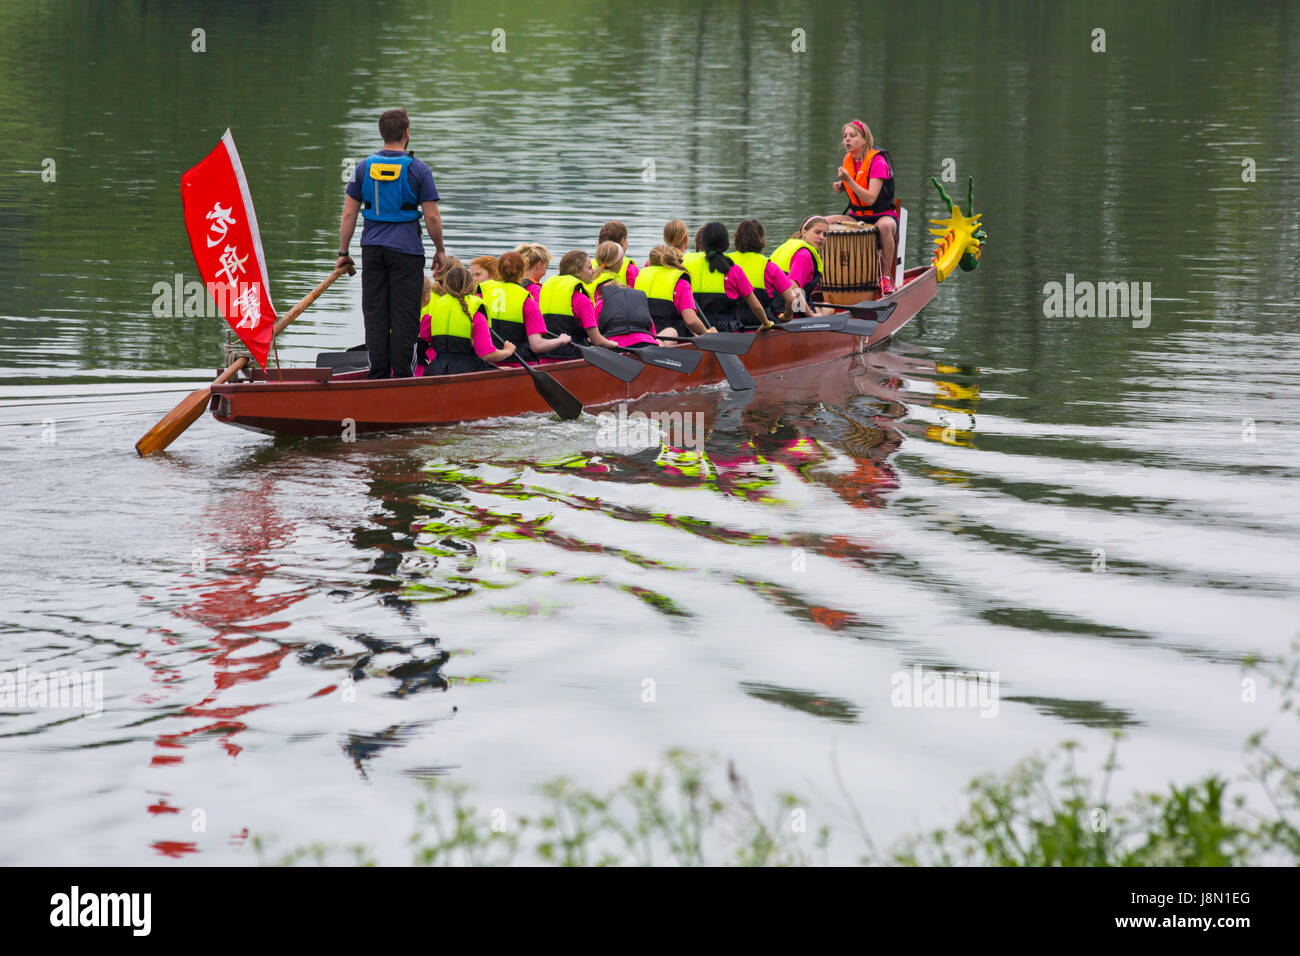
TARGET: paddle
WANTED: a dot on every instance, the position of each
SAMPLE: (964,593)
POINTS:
(734,343)
(565,403)
(621,368)
(738,376)
(813,323)
(672,359)
(191,407)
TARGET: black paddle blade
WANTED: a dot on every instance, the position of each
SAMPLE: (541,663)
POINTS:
(733,343)
(623,369)
(738,376)
(860,326)
(815,323)
(684,361)
(349,361)
(565,403)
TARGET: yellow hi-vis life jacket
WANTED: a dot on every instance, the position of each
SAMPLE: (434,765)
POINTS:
(504,302)
(557,309)
(450,330)
(784,255)
(754,265)
(658,283)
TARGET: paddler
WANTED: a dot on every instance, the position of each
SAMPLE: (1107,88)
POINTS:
(481,269)
(866,177)
(568,309)
(675,235)
(615,231)
(537,258)
(800,257)
(513,313)
(721,288)
(770,282)
(668,291)
(392,190)
(459,329)
(623,314)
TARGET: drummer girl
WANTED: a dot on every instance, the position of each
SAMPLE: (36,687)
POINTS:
(866,177)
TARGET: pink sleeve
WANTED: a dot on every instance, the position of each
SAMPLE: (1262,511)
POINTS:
(737,284)
(632,273)
(479,335)
(584,310)
(801,268)
(682,298)
(426,327)
(534,324)
(775,280)
(535,291)
(879,168)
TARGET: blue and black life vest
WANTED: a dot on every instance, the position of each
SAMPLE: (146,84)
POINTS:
(386,192)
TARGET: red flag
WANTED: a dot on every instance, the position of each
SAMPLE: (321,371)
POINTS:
(227,247)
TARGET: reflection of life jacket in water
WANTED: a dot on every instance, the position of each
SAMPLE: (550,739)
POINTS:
(686,463)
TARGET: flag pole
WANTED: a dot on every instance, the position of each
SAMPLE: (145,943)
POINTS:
(192,406)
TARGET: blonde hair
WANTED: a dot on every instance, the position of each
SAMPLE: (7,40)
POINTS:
(428,290)
(862,128)
(487,263)
(675,233)
(609,254)
(669,256)
(533,253)
(572,261)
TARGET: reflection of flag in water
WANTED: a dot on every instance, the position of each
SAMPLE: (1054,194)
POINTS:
(227,248)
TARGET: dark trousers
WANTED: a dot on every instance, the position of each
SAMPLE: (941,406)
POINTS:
(392,285)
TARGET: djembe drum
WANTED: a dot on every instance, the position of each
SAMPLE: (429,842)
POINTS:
(851,257)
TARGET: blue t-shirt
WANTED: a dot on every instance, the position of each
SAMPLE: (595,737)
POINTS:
(402,236)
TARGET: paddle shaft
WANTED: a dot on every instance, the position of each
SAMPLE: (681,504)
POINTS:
(190,408)
(563,402)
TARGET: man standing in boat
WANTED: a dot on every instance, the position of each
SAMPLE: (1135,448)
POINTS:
(392,190)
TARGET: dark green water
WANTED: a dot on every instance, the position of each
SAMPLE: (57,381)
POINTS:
(497,570)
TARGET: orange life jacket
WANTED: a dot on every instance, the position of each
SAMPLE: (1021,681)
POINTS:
(884,199)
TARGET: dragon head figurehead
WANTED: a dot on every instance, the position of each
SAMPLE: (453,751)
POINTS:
(960,236)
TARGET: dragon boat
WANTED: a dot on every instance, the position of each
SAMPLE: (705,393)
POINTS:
(336,395)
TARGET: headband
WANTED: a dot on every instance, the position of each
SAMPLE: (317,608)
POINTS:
(810,219)
(859,126)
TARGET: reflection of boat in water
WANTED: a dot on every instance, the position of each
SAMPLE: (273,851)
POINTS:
(835,425)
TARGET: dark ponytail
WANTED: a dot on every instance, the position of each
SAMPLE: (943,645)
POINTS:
(713,243)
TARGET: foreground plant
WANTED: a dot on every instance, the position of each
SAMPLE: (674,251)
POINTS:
(1042,812)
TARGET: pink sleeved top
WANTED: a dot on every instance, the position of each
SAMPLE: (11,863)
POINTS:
(801,268)
(534,324)
(737,284)
(583,310)
(632,273)
(480,335)
(534,290)
(775,281)
(682,298)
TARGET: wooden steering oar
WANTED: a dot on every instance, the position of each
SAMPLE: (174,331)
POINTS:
(191,407)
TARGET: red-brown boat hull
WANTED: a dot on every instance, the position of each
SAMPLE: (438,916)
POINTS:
(373,405)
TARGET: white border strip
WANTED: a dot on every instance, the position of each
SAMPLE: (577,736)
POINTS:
(228,141)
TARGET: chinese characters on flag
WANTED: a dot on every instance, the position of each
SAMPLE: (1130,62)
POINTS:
(223,236)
